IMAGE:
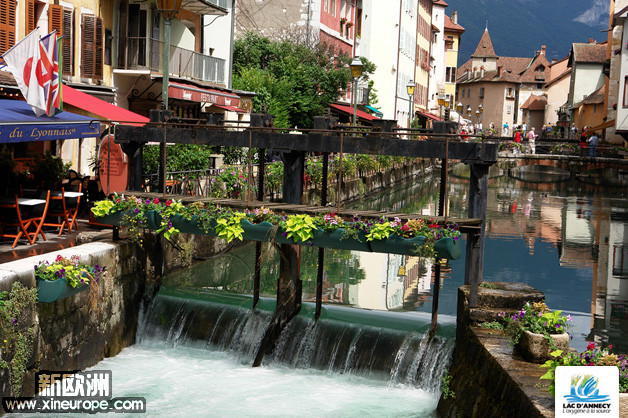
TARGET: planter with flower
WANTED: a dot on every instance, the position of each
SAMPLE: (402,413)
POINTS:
(511,146)
(65,277)
(536,331)
(415,237)
(593,356)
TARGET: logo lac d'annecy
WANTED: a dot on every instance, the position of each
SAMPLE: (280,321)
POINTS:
(584,389)
(588,390)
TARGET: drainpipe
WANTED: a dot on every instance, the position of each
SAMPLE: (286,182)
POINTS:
(309,18)
(229,81)
(398,46)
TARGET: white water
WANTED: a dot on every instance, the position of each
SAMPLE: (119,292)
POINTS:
(190,382)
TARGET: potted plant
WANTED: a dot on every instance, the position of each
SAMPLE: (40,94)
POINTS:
(65,277)
(593,356)
(536,331)
(48,170)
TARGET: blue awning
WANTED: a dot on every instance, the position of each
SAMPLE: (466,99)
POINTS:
(377,112)
(18,123)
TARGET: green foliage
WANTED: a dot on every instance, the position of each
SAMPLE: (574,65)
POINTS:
(73,270)
(230,228)
(593,356)
(565,148)
(16,333)
(373,99)
(492,325)
(536,318)
(274,175)
(179,157)
(511,146)
(447,392)
(381,230)
(300,227)
(292,81)
(49,170)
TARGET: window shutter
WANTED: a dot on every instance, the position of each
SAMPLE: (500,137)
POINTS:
(87,46)
(55,18)
(7,24)
(68,42)
(98,49)
(122,33)
(31,22)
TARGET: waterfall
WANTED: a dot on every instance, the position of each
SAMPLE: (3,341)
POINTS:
(394,355)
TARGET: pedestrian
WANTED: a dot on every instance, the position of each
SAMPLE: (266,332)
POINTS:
(505,129)
(593,140)
(574,131)
(518,137)
(583,145)
(531,138)
(524,127)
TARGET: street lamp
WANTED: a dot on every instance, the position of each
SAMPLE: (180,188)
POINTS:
(481,109)
(356,71)
(410,90)
(168,10)
(441,103)
(459,110)
(468,111)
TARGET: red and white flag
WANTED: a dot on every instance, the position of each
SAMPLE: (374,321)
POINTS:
(34,65)
(50,71)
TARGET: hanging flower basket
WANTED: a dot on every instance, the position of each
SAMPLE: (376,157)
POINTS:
(52,290)
(193,225)
(153,219)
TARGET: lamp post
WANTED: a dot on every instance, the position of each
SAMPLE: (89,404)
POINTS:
(410,90)
(459,110)
(481,109)
(441,103)
(356,72)
(168,10)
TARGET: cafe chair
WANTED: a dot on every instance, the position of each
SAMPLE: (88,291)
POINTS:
(63,210)
(13,224)
(72,209)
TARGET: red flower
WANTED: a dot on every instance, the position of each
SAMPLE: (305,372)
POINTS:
(433,225)
(168,202)
(156,201)
(591,346)
(405,228)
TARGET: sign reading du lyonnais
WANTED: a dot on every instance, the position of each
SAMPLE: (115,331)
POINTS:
(12,133)
(587,391)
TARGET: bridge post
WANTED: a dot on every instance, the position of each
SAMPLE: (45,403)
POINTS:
(134,151)
(474,261)
(289,285)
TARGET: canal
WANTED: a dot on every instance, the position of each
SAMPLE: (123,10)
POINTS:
(369,356)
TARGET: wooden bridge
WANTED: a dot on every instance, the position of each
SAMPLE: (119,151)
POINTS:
(326,138)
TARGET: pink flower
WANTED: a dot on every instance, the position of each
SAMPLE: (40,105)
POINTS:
(591,346)
(168,202)
(156,201)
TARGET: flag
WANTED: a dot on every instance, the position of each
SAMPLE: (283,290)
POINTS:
(50,71)
(23,60)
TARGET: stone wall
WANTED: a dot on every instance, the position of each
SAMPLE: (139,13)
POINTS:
(71,334)
(488,379)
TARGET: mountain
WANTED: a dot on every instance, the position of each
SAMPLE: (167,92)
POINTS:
(518,28)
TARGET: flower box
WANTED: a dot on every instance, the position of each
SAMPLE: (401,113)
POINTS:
(536,348)
(52,290)
(153,219)
(192,226)
(338,239)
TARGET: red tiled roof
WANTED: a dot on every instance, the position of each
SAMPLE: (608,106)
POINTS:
(485,47)
(511,71)
(593,53)
(538,71)
(535,102)
(440,3)
(451,26)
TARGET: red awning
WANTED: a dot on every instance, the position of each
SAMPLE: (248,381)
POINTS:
(430,116)
(101,108)
(202,95)
(349,110)
(231,108)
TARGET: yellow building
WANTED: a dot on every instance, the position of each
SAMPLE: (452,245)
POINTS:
(453,32)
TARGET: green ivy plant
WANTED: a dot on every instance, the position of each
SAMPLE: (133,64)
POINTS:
(447,392)
(381,230)
(300,227)
(230,228)
(16,333)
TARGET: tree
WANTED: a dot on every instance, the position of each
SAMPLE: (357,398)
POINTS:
(292,81)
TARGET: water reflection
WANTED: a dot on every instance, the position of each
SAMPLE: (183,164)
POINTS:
(567,239)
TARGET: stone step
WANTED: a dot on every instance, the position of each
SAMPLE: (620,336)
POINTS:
(504,295)
(479,315)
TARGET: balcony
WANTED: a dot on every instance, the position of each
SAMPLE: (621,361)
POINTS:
(220,3)
(144,53)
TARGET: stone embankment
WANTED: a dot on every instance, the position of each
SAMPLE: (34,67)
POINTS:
(488,379)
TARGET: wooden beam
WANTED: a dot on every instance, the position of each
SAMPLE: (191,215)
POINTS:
(467,152)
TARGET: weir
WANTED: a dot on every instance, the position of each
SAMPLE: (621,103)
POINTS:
(385,346)
(260,134)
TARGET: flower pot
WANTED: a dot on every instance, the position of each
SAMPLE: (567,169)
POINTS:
(113,219)
(535,348)
(153,219)
(262,231)
(448,247)
(192,226)
(339,240)
(52,290)
(396,244)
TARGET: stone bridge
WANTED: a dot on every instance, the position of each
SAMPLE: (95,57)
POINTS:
(548,168)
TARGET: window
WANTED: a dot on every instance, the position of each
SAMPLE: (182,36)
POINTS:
(625,92)
(462,91)
(91,47)
(332,7)
(358,24)
(483,59)
(7,24)
(481,91)
(62,20)
(594,108)
(620,260)
(469,92)
(450,74)
(108,37)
